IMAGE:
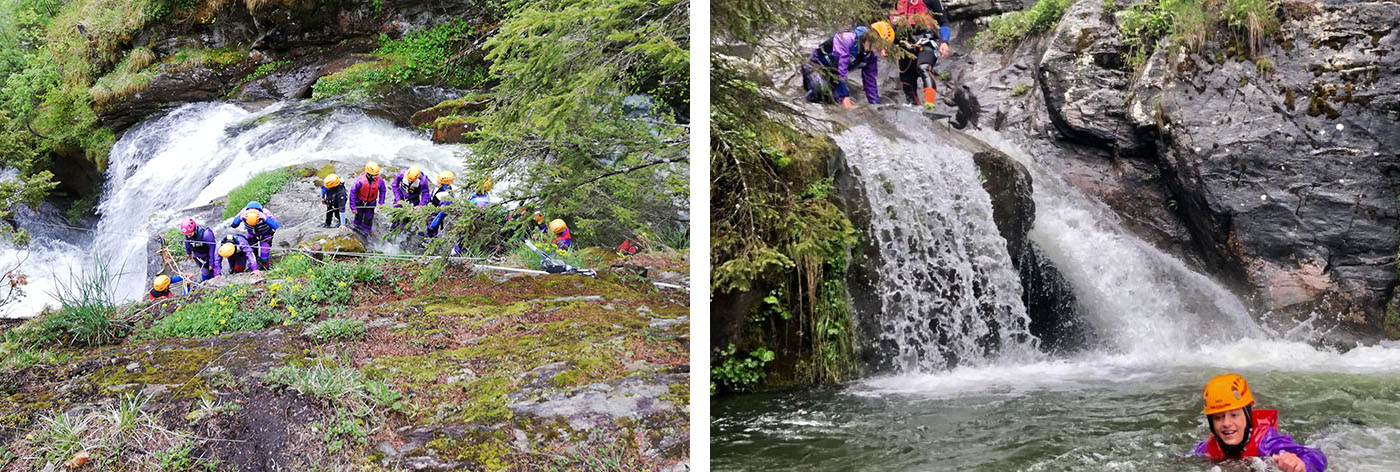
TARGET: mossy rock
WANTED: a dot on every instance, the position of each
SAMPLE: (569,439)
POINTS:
(455,129)
(470,104)
(333,243)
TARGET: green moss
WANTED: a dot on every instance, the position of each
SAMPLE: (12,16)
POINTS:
(456,120)
(486,450)
(259,188)
(177,368)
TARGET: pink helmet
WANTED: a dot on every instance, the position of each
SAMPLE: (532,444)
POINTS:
(188,227)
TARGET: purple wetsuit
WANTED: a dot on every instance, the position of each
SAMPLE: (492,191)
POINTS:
(1275,442)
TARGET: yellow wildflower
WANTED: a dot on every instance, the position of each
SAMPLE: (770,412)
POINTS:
(223,321)
(342,284)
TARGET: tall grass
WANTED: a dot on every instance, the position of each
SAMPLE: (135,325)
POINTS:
(87,302)
(259,188)
(1010,28)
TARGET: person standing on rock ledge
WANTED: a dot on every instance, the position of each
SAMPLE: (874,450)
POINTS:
(923,33)
(202,246)
(333,197)
(824,74)
(261,225)
(367,190)
(411,185)
(441,197)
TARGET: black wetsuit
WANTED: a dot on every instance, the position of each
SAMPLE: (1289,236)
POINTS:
(920,41)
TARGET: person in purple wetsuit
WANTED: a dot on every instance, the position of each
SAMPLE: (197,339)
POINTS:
(201,245)
(366,193)
(824,75)
(1239,431)
(260,226)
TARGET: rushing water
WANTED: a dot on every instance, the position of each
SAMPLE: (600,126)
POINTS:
(1130,403)
(198,153)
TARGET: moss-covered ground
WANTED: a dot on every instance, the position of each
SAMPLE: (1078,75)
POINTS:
(475,371)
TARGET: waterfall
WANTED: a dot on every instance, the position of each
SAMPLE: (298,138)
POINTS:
(199,152)
(948,291)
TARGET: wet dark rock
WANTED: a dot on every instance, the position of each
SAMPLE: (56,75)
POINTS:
(1085,78)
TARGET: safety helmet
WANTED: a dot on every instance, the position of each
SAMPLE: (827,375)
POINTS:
(227,250)
(162,282)
(445,178)
(332,180)
(1227,392)
(187,228)
(372,168)
(883,29)
(414,172)
(557,226)
(252,217)
(486,185)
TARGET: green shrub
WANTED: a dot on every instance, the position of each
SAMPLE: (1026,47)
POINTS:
(227,309)
(259,188)
(338,328)
(1256,18)
(1010,28)
(736,373)
(425,56)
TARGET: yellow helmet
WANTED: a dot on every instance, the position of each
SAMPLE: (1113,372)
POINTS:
(1227,392)
(883,29)
(332,180)
(372,168)
(445,178)
(252,217)
(486,185)
(162,283)
(414,172)
(557,226)
(227,250)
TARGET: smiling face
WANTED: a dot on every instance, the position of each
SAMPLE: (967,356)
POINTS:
(1229,426)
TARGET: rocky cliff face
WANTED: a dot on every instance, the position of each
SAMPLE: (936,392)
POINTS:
(1276,174)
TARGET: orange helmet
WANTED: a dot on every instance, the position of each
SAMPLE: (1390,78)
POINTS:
(1227,392)
(252,217)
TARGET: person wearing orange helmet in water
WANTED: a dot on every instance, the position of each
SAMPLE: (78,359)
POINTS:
(1238,430)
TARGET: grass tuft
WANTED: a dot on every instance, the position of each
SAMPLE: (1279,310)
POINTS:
(259,188)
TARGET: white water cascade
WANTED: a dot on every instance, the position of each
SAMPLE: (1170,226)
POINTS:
(199,152)
(948,291)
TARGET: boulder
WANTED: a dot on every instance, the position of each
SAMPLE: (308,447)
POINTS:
(1085,79)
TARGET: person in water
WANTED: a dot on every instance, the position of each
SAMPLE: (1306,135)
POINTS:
(1238,430)
(824,74)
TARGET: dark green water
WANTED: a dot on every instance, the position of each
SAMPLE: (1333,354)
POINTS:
(1131,413)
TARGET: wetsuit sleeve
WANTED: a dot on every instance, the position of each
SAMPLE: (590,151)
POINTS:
(177,279)
(271,220)
(940,13)
(842,49)
(212,246)
(237,219)
(398,189)
(424,191)
(1200,449)
(868,78)
(382,191)
(1275,442)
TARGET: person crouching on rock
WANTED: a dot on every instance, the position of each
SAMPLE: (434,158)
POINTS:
(260,226)
(562,239)
(366,191)
(202,246)
(160,288)
(239,253)
(411,188)
(1238,430)
(824,74)
(333,197)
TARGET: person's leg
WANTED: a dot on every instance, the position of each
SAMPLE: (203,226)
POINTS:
(369,218)
(909,74)
(330,211)
(206,272)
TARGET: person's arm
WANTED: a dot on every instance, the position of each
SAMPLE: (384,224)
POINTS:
(354,187)
(382,191)
(1200,449)
(398,190)
(841,47)
(425,191)
(212,245)
(1276,444)
(869,78)
(238,219)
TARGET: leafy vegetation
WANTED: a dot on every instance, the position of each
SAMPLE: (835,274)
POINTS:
(429,56)
(225,310)
(774,226)
(1010,28)
(739,373)
(259,188)
(338,328)
(1190,23)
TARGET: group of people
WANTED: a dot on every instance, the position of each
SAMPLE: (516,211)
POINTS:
(412,188)
(252,250)
(919,28)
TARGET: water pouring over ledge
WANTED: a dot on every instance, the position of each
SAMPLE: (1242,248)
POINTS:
(199,152)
